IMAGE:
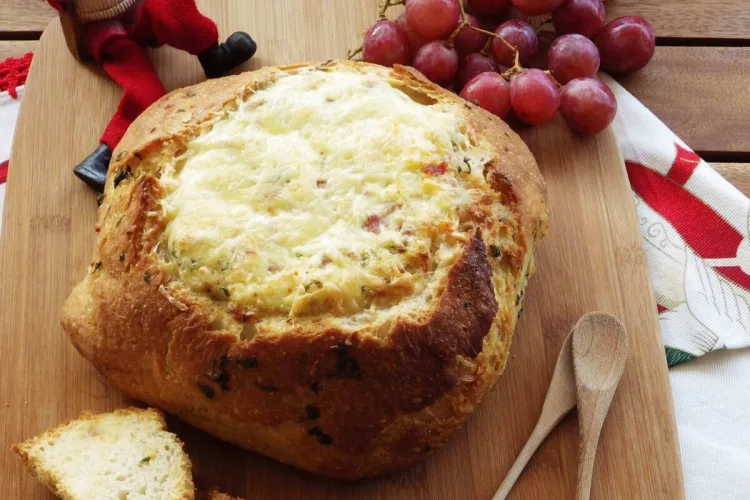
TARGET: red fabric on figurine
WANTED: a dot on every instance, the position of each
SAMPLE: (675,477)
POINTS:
(178,24)
(119,46)
(128,65)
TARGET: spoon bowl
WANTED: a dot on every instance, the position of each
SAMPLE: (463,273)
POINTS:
(600,349)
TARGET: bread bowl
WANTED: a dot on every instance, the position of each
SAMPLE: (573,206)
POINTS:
(323,262)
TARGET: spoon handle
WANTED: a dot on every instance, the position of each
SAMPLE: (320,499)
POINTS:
(548,420)
(541,431)
(560,399)
(592,410)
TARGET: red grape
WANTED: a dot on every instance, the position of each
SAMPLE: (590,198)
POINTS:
(437,62)
(489,8)
(432,18)
(585,17)
(474,64)
(536,7)
(469,40)
(572,56)
(489,91)
(626,44)
(521,35)
(587,105)
(415,39)
(534,96)
(386,43)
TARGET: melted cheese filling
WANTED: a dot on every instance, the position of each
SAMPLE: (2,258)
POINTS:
(323,193)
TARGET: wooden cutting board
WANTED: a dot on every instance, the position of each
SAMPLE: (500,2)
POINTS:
(591,260)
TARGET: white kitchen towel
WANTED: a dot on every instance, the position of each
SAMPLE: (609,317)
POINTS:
(8,115)
(712,405)
(695,235)
(13,73)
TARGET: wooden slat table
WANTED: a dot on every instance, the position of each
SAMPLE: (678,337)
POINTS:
(701,94)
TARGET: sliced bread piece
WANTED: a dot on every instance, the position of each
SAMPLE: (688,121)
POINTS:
(124,455)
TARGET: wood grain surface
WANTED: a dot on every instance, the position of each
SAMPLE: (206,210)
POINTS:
(736,173)
(719,19)
(701,93)
(16,48)
(591,260)
(24,15)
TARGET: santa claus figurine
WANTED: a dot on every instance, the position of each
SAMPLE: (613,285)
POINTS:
(115,34)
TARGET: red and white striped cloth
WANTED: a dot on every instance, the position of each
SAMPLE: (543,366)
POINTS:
(696,238)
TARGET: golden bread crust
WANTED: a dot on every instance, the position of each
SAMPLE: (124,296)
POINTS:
(337,402)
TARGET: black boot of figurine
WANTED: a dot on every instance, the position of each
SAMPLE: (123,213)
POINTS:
(223,57)
(93,170)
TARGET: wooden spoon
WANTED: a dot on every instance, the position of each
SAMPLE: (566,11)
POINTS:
(561,398)
(600,348)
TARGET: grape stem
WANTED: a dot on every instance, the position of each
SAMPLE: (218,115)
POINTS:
(465,22)
(516,68)
(351,53)
(487,47)
(386,4)
(559,85)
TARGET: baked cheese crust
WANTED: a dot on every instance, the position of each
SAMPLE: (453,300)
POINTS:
(323,262)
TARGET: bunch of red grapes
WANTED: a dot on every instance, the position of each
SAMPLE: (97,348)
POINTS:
(455,46)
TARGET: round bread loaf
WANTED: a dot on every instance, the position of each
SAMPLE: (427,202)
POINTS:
(323,263)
